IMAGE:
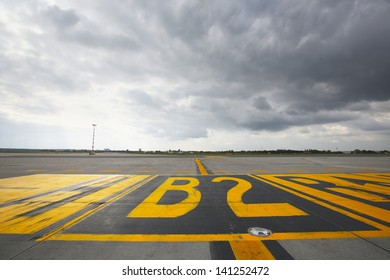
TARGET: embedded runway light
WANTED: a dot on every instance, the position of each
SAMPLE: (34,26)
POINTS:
(258,231)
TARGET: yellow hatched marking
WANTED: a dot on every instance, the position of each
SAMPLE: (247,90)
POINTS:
(360,194)
(306,181)
(250,250)
(216,237)
(327,205)
(337,179)
(11,211)
(26,224)
(25,186)
(383,178)
(86,214)
(54,197)
(356,206)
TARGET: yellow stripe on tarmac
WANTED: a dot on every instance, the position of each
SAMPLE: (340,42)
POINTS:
(86,214)
(202,170)
(310,194)
(360,194)
(215,237)
(22,187)
(26,224)
(250,250)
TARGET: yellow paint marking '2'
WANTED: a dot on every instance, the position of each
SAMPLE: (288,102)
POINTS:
(241,209)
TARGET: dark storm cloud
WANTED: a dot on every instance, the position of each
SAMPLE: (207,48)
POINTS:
(71,27)
(196,66)
(321,56)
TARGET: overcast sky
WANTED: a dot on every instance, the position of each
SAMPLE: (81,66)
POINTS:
(195,75)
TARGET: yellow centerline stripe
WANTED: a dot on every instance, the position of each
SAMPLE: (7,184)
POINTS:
(202,170)
(89,212)
(215,237)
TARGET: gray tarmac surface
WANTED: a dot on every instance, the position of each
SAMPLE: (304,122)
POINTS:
(110,206)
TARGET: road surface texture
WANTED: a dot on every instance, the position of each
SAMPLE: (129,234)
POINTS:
(111,206)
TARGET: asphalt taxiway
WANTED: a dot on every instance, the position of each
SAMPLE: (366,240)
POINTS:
(189,207)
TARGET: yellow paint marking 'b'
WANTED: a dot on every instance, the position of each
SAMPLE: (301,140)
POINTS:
(149,208)
(241,209)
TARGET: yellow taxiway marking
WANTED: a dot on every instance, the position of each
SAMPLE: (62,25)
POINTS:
(360,194)
(327,199)
(22,187)
(94,210)
(216,237)
(145,171)
(250,250)
(202,170)
(149,208)
(241,209)
(110,171)
(20,223)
